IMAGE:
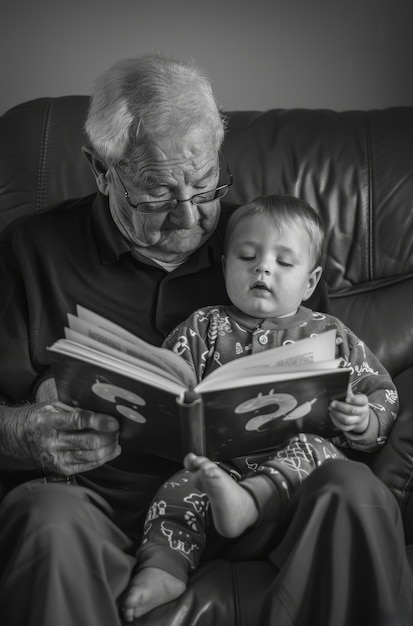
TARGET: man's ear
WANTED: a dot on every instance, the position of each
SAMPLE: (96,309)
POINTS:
(99,169)
(313,282)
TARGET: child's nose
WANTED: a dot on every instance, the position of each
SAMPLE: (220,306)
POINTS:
(263,268)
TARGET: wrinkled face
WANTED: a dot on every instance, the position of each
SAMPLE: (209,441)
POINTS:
(267,272)
(170,168)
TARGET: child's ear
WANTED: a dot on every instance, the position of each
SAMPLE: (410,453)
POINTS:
(99,169)
(313,282)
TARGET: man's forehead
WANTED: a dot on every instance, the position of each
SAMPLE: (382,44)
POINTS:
(153,168)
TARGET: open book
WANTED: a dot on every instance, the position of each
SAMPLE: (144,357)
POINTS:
(248,405)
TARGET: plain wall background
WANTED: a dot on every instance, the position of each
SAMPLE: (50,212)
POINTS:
(259,54)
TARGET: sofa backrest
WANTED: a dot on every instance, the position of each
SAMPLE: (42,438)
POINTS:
(40,155)
(354,167)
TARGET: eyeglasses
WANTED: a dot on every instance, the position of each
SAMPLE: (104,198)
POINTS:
(161,206)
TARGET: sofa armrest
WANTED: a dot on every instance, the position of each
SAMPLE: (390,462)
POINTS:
(394,463)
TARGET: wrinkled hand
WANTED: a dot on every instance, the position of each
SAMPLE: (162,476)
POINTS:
(65,440)
(351,415)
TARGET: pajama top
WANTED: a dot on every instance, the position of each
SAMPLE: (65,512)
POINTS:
(215,335)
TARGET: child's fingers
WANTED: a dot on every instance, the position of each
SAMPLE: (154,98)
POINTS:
(344,421)
(357,399)
(345,408)
(194,462)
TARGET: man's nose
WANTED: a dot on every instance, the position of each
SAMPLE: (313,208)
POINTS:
(186,214)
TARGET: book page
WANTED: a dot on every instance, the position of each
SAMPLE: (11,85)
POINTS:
(94,320)
(135,361)
(110,334)
(263,373)
(298,356)
(114,364)
(258,376)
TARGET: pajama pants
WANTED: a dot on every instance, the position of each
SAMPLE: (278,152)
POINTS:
(339,560)
(178,519)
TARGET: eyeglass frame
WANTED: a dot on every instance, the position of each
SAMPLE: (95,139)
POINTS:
(224,188)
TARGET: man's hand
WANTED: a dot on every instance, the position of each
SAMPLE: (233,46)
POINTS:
(55,438)
(64,440)
(60,439)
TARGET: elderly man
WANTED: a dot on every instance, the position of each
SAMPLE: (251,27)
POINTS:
(145,252)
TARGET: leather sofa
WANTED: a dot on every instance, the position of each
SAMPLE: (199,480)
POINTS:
(356,168)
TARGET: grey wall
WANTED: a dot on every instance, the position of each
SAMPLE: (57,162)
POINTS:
(339,54)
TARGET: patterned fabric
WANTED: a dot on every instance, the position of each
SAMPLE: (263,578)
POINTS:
(177,521)
(176,524)
(215,335)
(175,527)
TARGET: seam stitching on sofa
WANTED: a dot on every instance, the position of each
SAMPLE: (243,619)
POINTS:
(42,160)
(369,160)
(235,586)
(406,490)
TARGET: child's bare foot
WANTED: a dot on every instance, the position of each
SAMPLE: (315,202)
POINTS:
(233,508)
(149,588)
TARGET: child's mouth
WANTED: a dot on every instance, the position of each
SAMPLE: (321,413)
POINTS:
(260,285)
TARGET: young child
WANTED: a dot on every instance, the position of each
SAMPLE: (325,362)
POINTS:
(271,264)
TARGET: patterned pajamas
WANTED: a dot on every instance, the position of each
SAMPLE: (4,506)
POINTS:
(177,521)
(176,524)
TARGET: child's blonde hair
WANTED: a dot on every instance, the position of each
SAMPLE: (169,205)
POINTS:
(283,211)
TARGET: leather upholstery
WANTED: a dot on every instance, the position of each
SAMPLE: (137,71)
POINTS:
(356,168)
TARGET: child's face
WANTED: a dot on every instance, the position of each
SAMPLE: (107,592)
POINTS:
(269,273)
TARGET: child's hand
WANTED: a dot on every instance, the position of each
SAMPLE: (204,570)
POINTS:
(351,415)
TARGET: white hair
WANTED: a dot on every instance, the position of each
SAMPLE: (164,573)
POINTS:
(139,99)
